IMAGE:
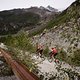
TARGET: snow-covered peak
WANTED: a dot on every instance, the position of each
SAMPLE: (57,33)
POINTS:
(52,9)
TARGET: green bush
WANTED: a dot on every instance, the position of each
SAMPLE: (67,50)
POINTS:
(46,51)
(22,57)
(20,41)
(62,55)
(73,59)
(76,57)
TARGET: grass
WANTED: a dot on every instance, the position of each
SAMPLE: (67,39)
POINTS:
(21,41)
(76,58)
(62,55)
(46,51)
(72,59)
(22,57)
(18,45)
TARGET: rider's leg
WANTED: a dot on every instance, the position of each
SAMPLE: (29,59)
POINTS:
(51,57)
(37,51)
(56,60)
(50,54)
(55,55)
(41,53)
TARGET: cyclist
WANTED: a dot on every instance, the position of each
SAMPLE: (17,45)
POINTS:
(53,52)
(39,50)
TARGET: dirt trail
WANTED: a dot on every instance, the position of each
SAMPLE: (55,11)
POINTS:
(49,69)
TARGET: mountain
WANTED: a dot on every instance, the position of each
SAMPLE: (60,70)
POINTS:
(52,9)
(12,21)
(72,12)
(44,13)
(64,33)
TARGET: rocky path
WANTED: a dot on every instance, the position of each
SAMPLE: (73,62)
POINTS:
(51,70)
(8,78)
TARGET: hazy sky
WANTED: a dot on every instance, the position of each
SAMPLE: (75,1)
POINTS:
(10,4)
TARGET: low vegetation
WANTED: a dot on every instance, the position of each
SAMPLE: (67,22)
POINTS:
(20,48)
(76,57)
(5,70)
(46,51)
(62,55)
(72,59)
(21,41)
(22,57)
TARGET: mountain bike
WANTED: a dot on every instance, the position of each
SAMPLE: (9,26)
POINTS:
(52,59)
(38,55)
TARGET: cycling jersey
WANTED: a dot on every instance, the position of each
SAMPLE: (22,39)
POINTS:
(54,50)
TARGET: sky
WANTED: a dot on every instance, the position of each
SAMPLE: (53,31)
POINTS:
(11,4)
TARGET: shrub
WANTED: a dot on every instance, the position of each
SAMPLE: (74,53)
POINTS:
(62,55)
(20,41)
(46,51)
(76,57)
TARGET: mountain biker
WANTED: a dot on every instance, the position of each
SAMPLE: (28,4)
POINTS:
(53,52)
(39,50)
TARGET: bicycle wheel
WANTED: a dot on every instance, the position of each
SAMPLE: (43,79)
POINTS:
(59,63)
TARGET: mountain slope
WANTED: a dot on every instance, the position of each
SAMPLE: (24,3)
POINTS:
(12,21)
(68,15)
(64,33)
(73,11)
